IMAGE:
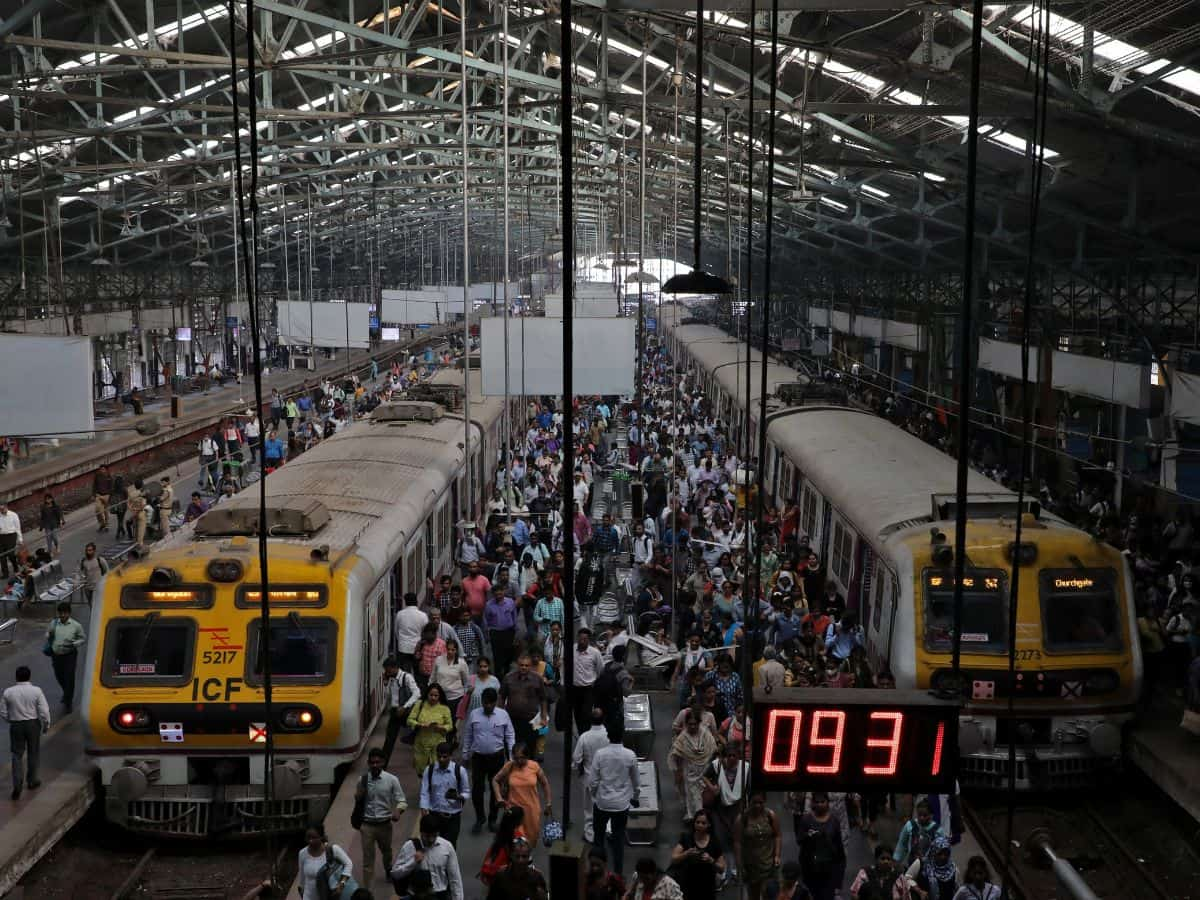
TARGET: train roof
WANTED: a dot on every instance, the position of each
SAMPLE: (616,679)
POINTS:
(485,409)
(869,468)
(717,352)
(375,479)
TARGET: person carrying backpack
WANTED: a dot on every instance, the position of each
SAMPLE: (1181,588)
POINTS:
(612,686)
(822,854)
(917,835)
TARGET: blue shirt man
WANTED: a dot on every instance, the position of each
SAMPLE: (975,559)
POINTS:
(274,448)
(445,787)
(842,637)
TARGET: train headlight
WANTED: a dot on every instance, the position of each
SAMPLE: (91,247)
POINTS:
(131,720)
(225,570)
(300,718)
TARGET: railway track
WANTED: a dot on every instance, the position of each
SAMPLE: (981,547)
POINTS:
(1126,841)
(108,864)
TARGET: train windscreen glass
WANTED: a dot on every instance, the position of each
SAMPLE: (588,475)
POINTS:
(149,649)
(1079,610)
(985,611)
(302,650)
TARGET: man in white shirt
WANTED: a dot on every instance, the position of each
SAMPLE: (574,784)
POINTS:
(402,692)
(253,431)
(10,539)
(589,662)
(614,784)
(586,746)
(384,803)
(409,622)
(24,707)
(432,854)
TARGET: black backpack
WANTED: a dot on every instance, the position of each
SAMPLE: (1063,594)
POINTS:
(607,687)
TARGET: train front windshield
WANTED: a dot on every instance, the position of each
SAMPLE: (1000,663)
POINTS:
(985,611)
(1079,610)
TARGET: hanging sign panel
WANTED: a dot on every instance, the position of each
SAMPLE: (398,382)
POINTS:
(603,356)
(325,324)
(48,385)
(413,307)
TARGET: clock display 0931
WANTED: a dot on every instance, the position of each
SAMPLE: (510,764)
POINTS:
(854,740)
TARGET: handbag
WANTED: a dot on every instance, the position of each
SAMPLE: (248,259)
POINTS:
(329,876)
(464,702)
(48,647)
(411,737)
(1191,722)
(360,805)
(552,831)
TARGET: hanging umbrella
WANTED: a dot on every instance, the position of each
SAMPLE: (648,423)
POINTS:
(697,281)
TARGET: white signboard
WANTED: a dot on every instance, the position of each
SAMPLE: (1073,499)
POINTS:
(604,360)
(325,324)
(424,307)
(47,385)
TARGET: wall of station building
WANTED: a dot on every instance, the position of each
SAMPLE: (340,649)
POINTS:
(1087,399)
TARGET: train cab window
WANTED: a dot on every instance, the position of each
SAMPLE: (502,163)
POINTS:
(303,650)
(148,650)
(985,611)
(1079,610)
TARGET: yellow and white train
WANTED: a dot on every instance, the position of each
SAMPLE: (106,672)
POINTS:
(874,500)
(173,706)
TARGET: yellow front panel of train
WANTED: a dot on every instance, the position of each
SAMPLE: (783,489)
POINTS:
(181,660)
(1073,639)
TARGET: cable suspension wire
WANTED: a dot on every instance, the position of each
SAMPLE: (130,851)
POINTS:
(966,334)
(249,231)
(1035,154)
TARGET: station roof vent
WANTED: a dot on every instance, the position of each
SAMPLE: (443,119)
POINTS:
(408,411)
(291,517)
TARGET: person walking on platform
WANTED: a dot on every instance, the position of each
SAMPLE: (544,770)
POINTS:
(166,500)
(10,540)
(445,789)
(383,804)
(24,707)
(91,569)
(586,746)
(64,637)
(102,488)
(487,742)
(615,787)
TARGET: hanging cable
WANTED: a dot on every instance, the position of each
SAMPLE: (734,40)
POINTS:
(249,231)
(966,334)
(1035,154)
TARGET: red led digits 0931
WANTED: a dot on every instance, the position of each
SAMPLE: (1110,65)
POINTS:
(855,740)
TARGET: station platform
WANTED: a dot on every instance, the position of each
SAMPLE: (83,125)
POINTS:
(32,825)
(67,468)
(1168,755)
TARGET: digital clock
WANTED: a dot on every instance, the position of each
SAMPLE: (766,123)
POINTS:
(854,740)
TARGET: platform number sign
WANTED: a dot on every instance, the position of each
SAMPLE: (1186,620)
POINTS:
(854,740)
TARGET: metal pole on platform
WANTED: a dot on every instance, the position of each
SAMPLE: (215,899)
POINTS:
(567,478)
(505,457)
(466,277)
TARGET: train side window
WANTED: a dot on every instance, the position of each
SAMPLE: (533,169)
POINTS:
(148,650)
(303,650)
(843,550)
(881,577)
(808,512)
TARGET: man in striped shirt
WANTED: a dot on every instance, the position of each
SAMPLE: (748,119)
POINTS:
(470,637)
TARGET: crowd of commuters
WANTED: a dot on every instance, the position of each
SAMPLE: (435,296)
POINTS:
(478,670)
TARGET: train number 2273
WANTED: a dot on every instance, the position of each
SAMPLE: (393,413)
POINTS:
(218,657)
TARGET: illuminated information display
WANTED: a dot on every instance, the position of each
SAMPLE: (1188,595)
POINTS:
(854,740)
